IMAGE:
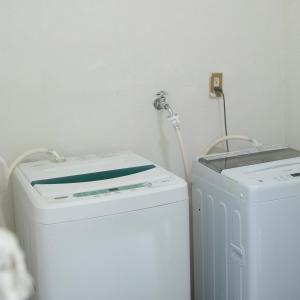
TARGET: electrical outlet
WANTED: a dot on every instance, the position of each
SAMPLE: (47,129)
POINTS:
(216,80)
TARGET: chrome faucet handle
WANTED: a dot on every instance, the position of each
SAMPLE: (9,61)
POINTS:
(162,94)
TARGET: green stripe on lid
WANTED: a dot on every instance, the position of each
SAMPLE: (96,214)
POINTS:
(97,176)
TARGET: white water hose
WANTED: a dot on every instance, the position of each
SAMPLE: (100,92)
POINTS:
(160,103)
(253,141)
(176,124)
(26,154)
(5,171)
(183,153)
(15,282)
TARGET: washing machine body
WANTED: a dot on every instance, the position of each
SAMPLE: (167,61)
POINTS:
(103,227)
(246,208)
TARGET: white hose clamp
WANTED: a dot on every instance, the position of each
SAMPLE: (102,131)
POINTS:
(174,120)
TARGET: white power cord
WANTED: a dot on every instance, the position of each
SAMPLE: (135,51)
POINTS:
(232,137)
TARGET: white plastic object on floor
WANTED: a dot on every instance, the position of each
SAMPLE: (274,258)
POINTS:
(232,137)
(15,282)
(246,207)
(104,227)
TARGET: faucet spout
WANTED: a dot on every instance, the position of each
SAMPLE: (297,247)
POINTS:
(160,103)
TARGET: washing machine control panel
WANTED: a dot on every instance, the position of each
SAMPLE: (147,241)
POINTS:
(117,190)
(122,189)
(100,192)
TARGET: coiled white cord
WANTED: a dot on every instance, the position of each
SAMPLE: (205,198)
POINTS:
(232,137)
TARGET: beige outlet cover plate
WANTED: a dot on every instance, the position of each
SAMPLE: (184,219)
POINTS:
(216,80)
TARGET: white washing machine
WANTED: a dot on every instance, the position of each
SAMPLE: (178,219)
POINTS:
(103,228)
(246,212)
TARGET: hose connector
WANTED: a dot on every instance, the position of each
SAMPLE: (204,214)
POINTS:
(174,120)
(57,157)
(161,103)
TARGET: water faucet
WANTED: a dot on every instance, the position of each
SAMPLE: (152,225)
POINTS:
(161,103)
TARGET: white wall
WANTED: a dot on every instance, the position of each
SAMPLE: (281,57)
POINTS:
(293,74)
(80,75)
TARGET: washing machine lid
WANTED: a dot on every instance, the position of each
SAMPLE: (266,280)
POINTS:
(91,175)
(93,186)
(279,179)
(84,168)
(222,162)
